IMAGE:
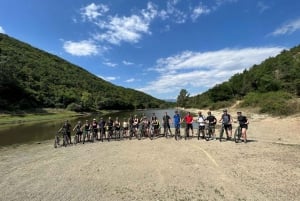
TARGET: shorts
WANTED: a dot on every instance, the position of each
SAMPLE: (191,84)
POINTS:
(189,126)
(202,128)
(244,126)
(79,133)
(227,126)
(166,125)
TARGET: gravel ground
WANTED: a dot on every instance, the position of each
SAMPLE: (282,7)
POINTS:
(265,168)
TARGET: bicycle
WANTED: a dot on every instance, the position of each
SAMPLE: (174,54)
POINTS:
(237,134)
(56,140)
(110,133)
(166,131)
(201,129)
(186,133)
(209,132)
(66,139)
(75,139)
(177,132)
(222,132)
(102,134)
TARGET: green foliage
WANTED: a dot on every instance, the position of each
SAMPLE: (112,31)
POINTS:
(182,98)
(279,74)
(30,77)
(276,103)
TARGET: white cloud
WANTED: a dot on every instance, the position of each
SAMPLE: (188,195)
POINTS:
(82,48)
(198,11)
(130,80)
(93,11)
(110,64)
(2,30)
(262,6)
(115,29)
(287,28)
(127,63)
(108,78)
(123,29)
(202,70)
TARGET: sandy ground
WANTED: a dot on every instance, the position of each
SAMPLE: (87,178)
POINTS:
(266,168)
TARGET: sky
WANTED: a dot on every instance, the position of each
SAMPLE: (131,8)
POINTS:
(157,46)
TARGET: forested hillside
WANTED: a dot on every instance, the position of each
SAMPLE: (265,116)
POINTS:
(273,86)
(31,78)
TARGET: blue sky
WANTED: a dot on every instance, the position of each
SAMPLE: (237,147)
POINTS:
(159,46)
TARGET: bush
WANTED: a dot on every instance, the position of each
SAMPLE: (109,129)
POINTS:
(74,107)
(276,103)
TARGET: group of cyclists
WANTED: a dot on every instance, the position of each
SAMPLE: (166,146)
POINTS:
(141,127)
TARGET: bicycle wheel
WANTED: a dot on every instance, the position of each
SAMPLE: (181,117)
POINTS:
(75,140)
(56,142)
(236,137)
(65,140)
(221,134)
(207,134)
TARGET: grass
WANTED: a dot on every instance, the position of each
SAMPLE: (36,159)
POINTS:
(33,116)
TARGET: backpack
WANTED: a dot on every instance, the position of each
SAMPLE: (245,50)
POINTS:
(226,119)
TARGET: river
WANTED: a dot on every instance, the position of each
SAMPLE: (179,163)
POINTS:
(36,133)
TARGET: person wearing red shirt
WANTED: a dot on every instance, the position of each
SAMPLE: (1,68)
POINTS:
(189,123)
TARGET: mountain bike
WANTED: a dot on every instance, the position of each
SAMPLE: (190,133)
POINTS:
(166,131)
(93,135)
(201,129)
(221,132)
(75,139)
(102,134)
(209,132)
(177,132)
(66,139)
(56,140)
(110,132)
(237,134)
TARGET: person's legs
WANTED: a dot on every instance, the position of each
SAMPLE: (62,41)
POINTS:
(244,134)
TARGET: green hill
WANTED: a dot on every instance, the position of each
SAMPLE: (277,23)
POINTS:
(273,86)
(32,78)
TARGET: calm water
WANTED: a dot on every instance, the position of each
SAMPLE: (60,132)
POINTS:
(21,134)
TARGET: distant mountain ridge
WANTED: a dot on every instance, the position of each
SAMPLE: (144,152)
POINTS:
(30,77)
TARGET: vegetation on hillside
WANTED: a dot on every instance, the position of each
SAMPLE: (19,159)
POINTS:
(32,78)
(273,86)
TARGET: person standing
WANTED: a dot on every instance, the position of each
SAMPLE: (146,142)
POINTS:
(166,123)
(212,121)
(177,121)
(201,121)
(78,130)
(243,121)
(189,124)
(227,123)
(66,129)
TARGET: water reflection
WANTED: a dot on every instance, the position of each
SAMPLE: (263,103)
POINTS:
(20,134)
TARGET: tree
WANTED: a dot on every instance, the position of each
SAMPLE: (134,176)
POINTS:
(182,98)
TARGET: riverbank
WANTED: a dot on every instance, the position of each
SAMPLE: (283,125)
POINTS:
(40,115)
(265,168)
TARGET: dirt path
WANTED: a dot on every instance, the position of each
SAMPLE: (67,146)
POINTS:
(266,168)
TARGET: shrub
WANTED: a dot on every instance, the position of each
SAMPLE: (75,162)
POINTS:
(276,103)
(74,107)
